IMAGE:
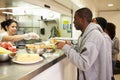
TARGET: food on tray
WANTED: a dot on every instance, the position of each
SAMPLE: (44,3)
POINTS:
(5,45)
(29,46)
(42,45)
(50,50)
(13,49)
(27,57)
(53,40)
(36,46)
(53,46)
(8,46)
(4,51)
(50,47)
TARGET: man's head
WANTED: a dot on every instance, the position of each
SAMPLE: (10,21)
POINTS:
(111,30)
(101,21)
(82,18)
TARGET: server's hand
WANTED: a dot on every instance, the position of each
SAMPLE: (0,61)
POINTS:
(31,35)
(34,35)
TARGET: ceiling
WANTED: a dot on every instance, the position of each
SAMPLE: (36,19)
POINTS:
(101,5)
(14,3)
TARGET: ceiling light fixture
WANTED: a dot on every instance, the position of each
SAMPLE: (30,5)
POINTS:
(110,5)
(7,13)
(6,8)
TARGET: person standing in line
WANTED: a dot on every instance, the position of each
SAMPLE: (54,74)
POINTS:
(103,23)
(89,55)
(111,30)
(115,48)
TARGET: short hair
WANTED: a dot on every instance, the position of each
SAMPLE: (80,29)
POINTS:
(111,30)
(102,22)
(86,13)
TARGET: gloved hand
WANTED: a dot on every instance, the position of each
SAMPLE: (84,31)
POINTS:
(31,35)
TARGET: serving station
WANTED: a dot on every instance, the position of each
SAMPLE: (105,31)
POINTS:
(10,70)
(38,61)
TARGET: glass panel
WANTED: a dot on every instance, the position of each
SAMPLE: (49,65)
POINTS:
(45,22)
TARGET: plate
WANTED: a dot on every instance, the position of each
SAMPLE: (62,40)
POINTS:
(27,62)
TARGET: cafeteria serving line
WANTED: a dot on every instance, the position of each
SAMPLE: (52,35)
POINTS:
(12,71)
(26,59)
(27,64)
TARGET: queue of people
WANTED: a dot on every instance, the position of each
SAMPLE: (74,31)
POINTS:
(93,53)
(103,22)
(111,30)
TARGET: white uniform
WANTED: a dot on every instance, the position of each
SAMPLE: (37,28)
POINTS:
(90,55)
(1,38)
(109,55)
(2,34)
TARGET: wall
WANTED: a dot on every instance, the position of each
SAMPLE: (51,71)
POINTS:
(52,4)
(40,19)
(65,26)
(63,70)
(65,15)
(86,3)
(114,17)
(2,18)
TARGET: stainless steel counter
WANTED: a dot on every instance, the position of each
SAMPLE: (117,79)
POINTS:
(12,71)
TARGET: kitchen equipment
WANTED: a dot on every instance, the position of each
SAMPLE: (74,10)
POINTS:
(50,50)
(37,51)
(12,55)
(20,44)
(40,52)
(4,57)
(29,51)
(42,31)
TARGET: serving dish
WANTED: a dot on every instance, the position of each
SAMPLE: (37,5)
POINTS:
(4,57)
(50,50)
(18,62)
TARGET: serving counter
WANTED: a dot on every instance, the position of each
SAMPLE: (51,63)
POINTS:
(13,71)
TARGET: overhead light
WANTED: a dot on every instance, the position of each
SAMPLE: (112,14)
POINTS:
(110,5)
(7,12)
(6,8)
